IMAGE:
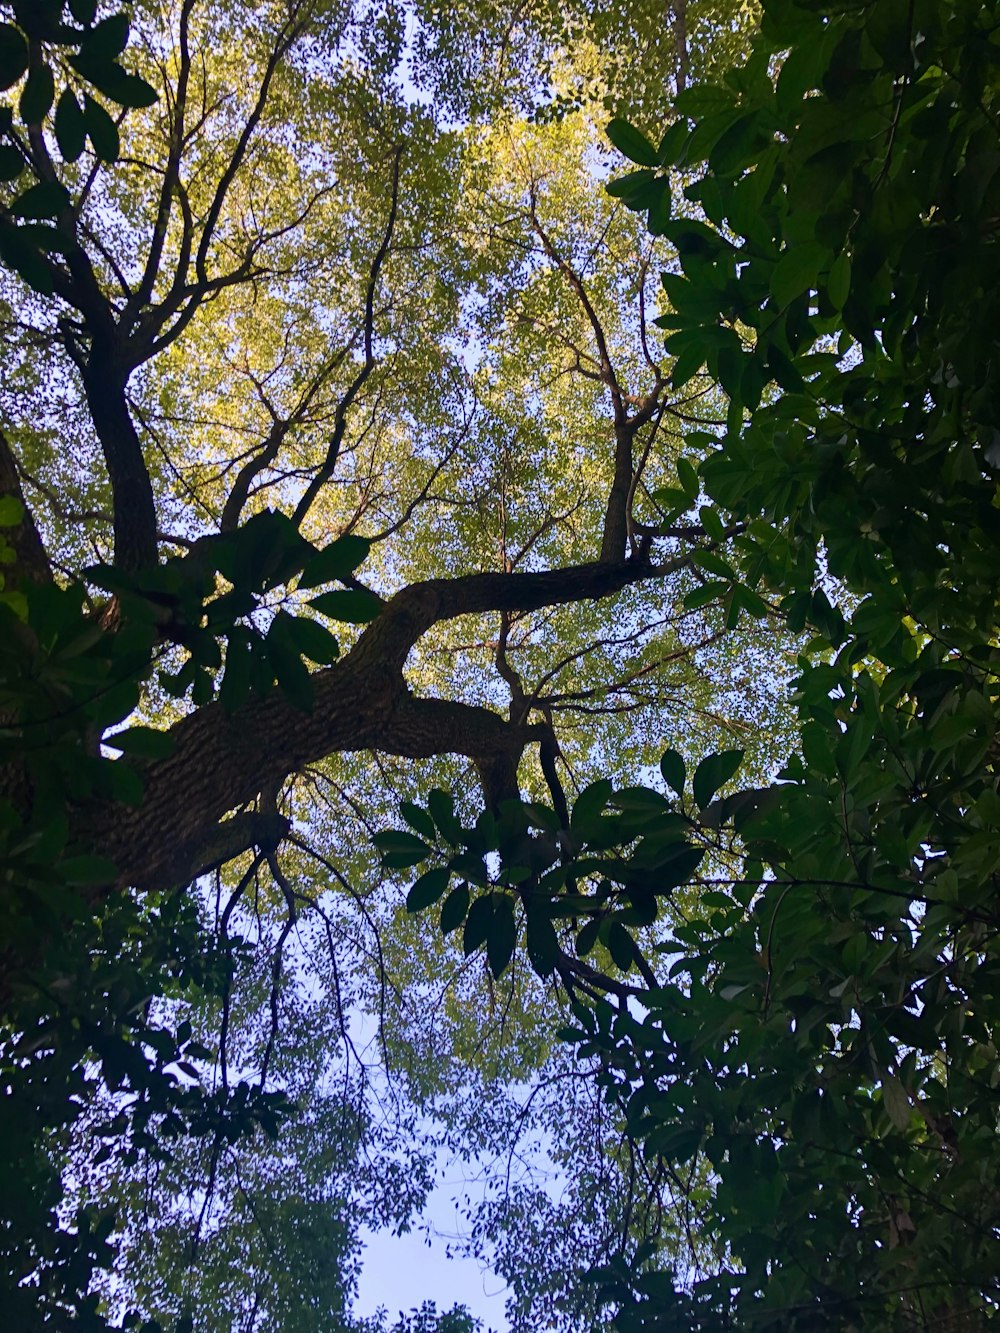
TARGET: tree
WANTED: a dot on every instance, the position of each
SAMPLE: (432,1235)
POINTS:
(825,1039)
(287,354)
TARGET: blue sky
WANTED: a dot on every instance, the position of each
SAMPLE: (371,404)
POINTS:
(400,1272)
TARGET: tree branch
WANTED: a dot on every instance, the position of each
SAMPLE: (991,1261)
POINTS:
(222,760)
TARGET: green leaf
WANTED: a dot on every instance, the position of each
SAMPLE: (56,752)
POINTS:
(660,208)
(712,523)
(126,784)
(143,742)
(589,805)
(17,253)
(674,772)
(478,923)
(11,163)
(102,130)
(671,498)
(427,889)
(678,868)
(456,905)
(687,365)
(632,143)
(401,849)
(708,592)
(712,773)
(418,819)
(713,563)
(13,55)
(502,936)
(11,511)
(621,947)
(70,126)
(128,90)
(542,943)
(237,681)
(313,640)
(441,806)
(290,671)
(335,561)
(353,606)
(688,478)
(37,95)
(838,285)
(108,38)
(44,200)
(896,1102)
(797,271)
(704,99)
(635,189)
(88,870)
(587,937)
(671,149)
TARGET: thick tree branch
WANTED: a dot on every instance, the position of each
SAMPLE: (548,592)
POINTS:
(221,761)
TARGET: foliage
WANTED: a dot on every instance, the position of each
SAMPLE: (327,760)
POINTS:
(427,1319)
(825,1040)
(333,456)
(827,1036)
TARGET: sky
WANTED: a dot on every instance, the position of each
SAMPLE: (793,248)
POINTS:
(401,1272)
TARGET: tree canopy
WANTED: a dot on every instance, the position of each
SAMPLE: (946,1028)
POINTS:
(366,449)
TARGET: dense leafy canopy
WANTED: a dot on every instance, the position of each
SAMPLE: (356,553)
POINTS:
(340,448)
(828,1037)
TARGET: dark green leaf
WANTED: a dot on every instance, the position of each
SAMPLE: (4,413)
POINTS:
(674,772)
(102,130)
(88,870)
(588,806)
(108,38)
(632,143)
(418,819)
(621,947)
(441,807)
(44,200)
(454,910)
(587,937)
(502,936)
(70,126)
(838,284)
(713,772)
(478,923)
(313,640)
(37,95)
(636,189)
(11,511)
(335,561)
(351,605)
(796,271)
(238,677)
(542,942)
(11,163)
(400,849)
(290,671)
(143,742)
(708,592)
(13,55)
(688,478)
(427,889)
